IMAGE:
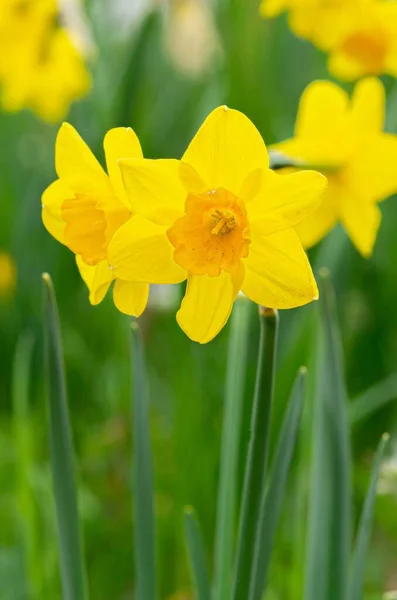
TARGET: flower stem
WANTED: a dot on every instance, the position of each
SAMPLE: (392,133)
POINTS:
(257,458)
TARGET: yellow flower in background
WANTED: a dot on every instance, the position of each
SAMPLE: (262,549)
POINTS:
(367,44)
(360,35)
(42,68)
(344,139)
(8,275)
(85,206)
(221,219)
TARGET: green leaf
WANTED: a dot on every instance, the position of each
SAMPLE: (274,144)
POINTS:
(373,399)
(227,492)
(143,505)
(62,455)
(23,429)
(329,534)
(273,499)
(257,458)
(197,556)
(364,530)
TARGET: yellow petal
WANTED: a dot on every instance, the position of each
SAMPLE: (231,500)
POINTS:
(315,227)
(154,188)
(140,251)
(207,305)
(77,166)
(97,279)
(272,8)
(344,67)
(292,197)
(368,106)
(130,297)
(277,271)
(361,220)
(226,148)
(322,110)
(120,142)
(51,214)
(373,172)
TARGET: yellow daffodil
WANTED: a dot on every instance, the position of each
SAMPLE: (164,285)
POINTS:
(321,21)
(42,68)
(345,140)
(221,219)
(366,43)
(85,206)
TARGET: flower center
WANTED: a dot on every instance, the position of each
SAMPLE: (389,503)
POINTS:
(212,235)
(368,48)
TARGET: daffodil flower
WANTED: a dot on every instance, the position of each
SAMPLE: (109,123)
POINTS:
(345,140)
(42,68)
(221,219)
(366,43)
(85,207)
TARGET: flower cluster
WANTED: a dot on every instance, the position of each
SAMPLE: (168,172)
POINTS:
(44,70)
(220,218)
(359,35)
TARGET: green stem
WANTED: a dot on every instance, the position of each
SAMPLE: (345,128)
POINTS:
(62,455)
(257,458)
(227,494)
(144,520)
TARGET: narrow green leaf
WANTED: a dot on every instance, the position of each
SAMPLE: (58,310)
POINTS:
(273,499)
(23,428)
(364,530)
(62,455)
(257,457)
(329,534)
(373,399)
(197,556)
(227,493)
(143,505)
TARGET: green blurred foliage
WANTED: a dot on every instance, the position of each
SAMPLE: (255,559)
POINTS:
(261,69)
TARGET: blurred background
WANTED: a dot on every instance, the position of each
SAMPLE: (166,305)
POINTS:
(160,67)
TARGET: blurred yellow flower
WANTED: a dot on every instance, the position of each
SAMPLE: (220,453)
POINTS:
(360,35)
(41,67)
(367,42)
(8,275)
(221,219)
(84,207)
(344,139)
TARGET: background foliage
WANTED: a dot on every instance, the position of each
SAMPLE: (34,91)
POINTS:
(139,80)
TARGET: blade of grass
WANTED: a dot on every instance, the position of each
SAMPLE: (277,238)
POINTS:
(329,531)
(62,455)
(373,399)
(143,505)
(272,500)
(257,457)
(197,556)
(364,530)
(24,441)
(227,492)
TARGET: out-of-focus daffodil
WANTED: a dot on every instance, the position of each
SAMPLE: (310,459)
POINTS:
(8,275)
(360,35)
(366,43)
(345,140)
(41,68)
(221,219)
(85,206)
